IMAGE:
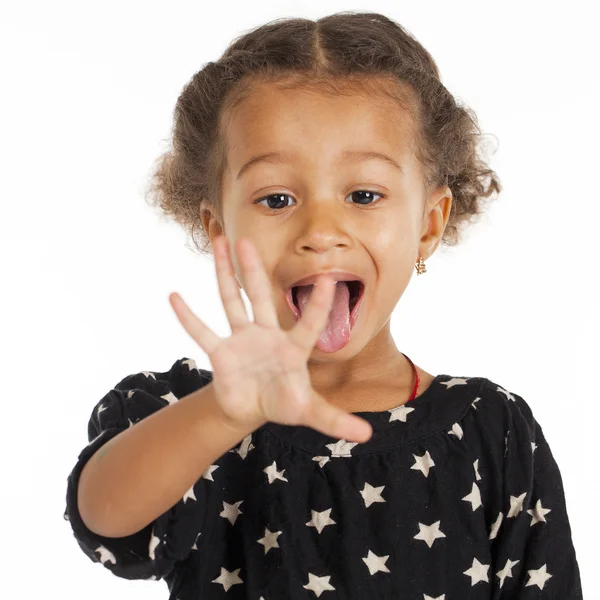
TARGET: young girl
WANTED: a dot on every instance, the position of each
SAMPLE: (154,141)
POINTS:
(316,460)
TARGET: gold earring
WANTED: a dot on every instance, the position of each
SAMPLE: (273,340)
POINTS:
(420,266)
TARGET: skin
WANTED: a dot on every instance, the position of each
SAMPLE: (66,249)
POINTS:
(322,223)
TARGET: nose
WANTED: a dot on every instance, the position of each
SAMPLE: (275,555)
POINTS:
(322,226)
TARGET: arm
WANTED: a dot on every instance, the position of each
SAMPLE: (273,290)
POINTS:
(147,468)
(532,549)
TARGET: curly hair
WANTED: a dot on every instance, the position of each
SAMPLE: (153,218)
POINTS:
(334,54)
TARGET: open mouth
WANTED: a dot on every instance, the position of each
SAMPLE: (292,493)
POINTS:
(356,289)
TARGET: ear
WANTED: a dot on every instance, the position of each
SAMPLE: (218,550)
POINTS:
(435,220)
(210,222)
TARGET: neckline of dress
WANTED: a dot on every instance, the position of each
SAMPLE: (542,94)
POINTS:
(436,408)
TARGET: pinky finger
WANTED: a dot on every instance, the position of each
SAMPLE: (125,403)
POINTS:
(205,337)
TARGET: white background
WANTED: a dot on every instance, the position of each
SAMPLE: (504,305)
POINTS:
(87,266)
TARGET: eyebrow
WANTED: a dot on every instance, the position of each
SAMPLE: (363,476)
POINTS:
(348,157)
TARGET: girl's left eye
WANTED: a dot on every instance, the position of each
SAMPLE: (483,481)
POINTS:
(278,198)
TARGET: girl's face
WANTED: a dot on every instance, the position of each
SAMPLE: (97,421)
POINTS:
(313,209)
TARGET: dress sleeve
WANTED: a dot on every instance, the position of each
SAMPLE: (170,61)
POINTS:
(531,546)
(151,552)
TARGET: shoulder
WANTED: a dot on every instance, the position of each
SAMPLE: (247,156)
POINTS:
(182,378)
(496,412)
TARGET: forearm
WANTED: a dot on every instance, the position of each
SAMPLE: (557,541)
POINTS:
(147,468)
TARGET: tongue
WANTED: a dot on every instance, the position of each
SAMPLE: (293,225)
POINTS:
(336,333)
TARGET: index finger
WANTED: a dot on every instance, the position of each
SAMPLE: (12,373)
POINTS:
(314,317)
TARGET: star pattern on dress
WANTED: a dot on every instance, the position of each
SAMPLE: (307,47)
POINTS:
(454,381)
(508,395)
(208,473)
(378,472)
(457,431)
(537,513)
(400,413)
(153,545)
(496,526)
(516,505)
(270,539)
(538,577)
(170,397)
(190,495)
(318,585)
(106,555)
(478,572)
(341,448)
(372,494)
(320,520)
(474,497)
(273,473)
(423,463)
(231,511)
(376,563)
(506,571)
(244,446)
(429,533)
(228,578)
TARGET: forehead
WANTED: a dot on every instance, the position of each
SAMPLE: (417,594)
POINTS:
(315,123)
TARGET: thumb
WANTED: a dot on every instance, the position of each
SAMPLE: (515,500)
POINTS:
(335,422)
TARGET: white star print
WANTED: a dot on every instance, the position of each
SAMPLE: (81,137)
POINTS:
(189,494)
(148,374)
(426,597)
(422,463)
(208,473)
(474,498)
(321,519)
(508,394)
(171,398)
(341,448)
(457,431)
(475,402)
(194,547)
(507,571)
(231,511)
(429,533)
(244,446)
(154,542)
(476,467)
(322,460)
(454,381)
(538,577)
(106,555)
(270,540)
(400,413)
(538,513)
(516,505)
(477,572)
(101,408)
(376,563)
(372,494)
(228,578)
(318,584)
(98,436)
(273,473)
(496,526)
(533,447)
(191,364)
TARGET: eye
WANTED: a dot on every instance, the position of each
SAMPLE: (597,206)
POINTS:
(279,199)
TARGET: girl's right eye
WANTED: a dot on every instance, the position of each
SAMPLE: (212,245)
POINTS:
(279,200)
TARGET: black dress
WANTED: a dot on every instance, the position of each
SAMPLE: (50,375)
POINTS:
(456,496)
